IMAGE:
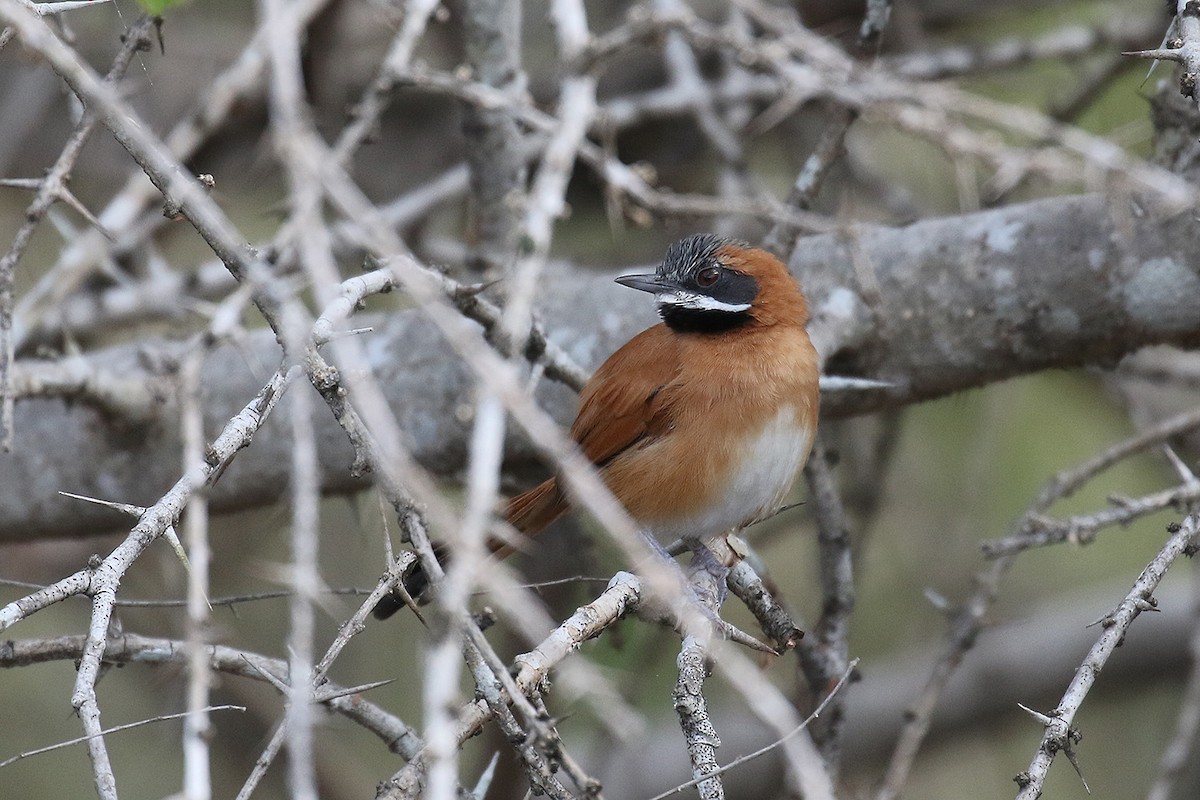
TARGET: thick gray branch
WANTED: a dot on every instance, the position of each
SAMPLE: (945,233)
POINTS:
(963,301)
(495,151)
(936,307)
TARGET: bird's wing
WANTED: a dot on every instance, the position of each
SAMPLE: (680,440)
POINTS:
(624,404)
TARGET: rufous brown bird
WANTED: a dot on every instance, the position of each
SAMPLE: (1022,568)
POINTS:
(700,424)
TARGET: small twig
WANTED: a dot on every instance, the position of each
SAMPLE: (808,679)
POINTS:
(131,648)
(62,6)
(197,730)
(349,629)
(1058,735)
(305,481)
(547,193)
(870,33)
(1069,42)
(1185,50)
(967,621)
(126,508)
(1035,530)
(772,617)
(1039,531)
(131,401)
(50,189)
(782,236)
(536,745)
(232,600)
(1180,467)
(116,729)
(828,655)
(1066,483)
(379,92)
(737,762)
(622,595)
(964,628)
(1176,755)
(485,778)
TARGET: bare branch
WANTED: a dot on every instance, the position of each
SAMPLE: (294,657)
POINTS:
(1068,42)
(622,595)
(130,648)
(826,657)
(197,780)
(1184,50)
(737,762)
(50,189)
(1175,755)
(1059,735)
(61,6)
(1081,529)
(1101,312)
(116,729)
(495,147)
(421,393)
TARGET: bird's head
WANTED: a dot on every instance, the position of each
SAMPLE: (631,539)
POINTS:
(707,284)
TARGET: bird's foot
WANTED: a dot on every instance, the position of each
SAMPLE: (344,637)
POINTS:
(704,583)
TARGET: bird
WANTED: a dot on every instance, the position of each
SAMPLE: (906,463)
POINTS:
(700,424)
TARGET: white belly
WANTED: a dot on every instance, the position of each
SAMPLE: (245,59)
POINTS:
(763,473)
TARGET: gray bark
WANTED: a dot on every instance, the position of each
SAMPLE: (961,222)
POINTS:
(953,303)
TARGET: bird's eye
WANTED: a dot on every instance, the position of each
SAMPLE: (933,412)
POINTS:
(708,276)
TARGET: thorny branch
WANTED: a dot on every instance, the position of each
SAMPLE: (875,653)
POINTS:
(735,82)
(50,189)
(1059,735)
(966,622)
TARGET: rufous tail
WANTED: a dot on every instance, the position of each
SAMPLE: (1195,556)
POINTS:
(529,512)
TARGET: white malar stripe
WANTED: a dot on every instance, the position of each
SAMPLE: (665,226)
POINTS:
(699,302)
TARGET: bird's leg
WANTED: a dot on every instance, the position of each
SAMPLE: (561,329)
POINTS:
(707,573)
(702,557)
(705,588)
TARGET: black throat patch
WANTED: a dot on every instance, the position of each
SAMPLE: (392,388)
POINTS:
(694,320)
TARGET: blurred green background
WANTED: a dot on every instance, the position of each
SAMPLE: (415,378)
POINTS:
(963,471)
